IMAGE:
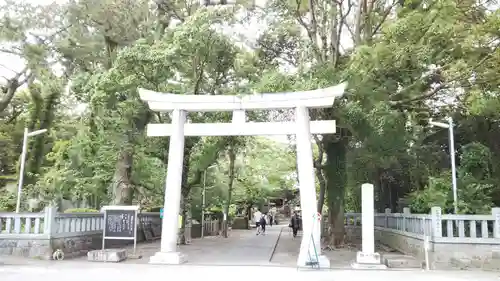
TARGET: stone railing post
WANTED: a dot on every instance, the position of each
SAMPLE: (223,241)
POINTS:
(437,229)
(406,211)
(495,212)
(387,211)
(49,222)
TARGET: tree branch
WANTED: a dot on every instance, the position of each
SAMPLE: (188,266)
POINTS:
(310,32)
(386,13)
(12,85)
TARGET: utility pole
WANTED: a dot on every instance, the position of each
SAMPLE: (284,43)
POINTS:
(449,126)
(23,163)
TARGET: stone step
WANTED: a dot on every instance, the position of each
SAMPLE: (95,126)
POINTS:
(464,264)
(492,265)
(401,261)
(495,254)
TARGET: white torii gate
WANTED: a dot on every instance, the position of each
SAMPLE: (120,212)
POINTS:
(302,127)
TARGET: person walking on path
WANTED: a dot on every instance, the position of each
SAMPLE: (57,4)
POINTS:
(262,224)
(256,217)
(295,224)
(271,220)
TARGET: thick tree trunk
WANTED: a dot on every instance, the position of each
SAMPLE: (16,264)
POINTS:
(121,186)
(41,117)
(336,180)
(184,210)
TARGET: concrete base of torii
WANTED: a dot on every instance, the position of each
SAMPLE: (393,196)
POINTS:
(168,258)
(323,261)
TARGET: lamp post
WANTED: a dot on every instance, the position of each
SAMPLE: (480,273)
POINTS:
(449,126)
(23,161)
(203,201)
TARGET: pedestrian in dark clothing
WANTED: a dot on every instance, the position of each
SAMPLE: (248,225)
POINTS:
(295,224)
(271,220)
(263,223)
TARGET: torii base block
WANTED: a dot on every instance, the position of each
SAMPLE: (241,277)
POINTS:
(168,258)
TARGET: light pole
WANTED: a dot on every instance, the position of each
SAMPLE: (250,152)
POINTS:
(449,126)
(203,201)
(23,160)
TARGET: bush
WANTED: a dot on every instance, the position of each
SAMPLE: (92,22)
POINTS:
(153,209)
(81,210)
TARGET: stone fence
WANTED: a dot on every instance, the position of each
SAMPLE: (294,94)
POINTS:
(38,235)
(470,240)
(352,222)
(457,240)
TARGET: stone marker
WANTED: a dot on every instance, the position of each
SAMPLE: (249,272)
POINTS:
(107,255)
(368,258)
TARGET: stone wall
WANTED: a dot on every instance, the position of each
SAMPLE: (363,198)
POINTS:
(78,243)
(73,246)
(240,223)
(405,244)
(442,254)
(37,248)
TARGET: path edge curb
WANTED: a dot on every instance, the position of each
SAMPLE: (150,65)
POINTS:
(275,245)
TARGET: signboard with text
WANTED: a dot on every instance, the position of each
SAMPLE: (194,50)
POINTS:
(120,223)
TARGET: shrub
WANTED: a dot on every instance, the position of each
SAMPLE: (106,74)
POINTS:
(81,210)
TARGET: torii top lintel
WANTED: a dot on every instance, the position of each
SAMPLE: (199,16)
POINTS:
(319,98)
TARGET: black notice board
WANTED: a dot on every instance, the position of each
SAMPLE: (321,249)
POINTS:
(120,223)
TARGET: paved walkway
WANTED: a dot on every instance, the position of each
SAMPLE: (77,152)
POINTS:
(242,247)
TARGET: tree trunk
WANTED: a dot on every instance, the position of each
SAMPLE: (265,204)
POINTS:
(183,210)
(42,116)
(121,186)
(336,180)
(249,216)
(322,189)
(232,158)
(185,206)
